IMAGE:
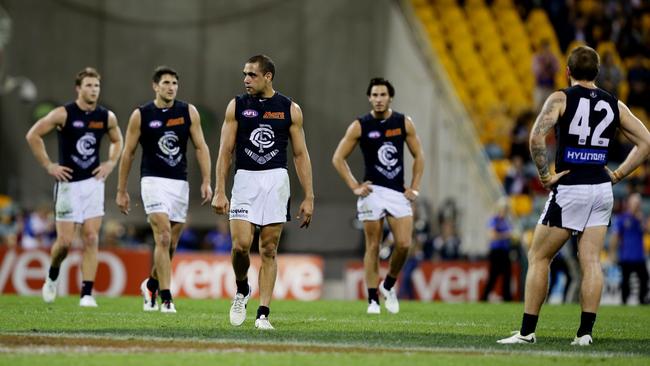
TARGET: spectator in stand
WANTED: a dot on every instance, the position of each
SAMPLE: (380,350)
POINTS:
(516,180)
(219,239)
(500,236)
(610,75)
(519,136)
(38,231)
(626,244)
(545,65)
(446,245)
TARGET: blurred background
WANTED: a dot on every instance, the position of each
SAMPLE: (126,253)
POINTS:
(472,74)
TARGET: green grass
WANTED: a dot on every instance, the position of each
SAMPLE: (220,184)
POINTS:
(331,332)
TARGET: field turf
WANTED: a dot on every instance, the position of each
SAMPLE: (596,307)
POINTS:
(309,333)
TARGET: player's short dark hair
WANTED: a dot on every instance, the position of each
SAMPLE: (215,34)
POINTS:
(87,72)
(163,70)
(381,81)
(584,63)
(265,63)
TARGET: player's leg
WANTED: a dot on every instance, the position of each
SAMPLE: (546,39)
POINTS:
(64,235)
(547,240)
(506,270)
(90,240)
(402,229)
(590,245)
(242,233)
(626,271)
(372,232)
(162,234)
(493,274)
(642,272)
(268,245)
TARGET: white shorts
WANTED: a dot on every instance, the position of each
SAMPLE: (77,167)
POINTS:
(164,195)
(260,197)
(577,207)
(383,201)
(79,201)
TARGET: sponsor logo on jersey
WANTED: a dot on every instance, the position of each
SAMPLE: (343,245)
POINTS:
(585,156)
(593,94)
(96,124)
(273,115)
(78,124)
(249,113)
(393,132)
(155,124)
(374,134)
(175,121)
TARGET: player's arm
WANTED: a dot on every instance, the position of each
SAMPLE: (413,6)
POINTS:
(302,163)
(56,118)
(546,120)
(114,150)
(202,154)
(415,147)
(339,160)
(638,134)
(130,145)
(220,202)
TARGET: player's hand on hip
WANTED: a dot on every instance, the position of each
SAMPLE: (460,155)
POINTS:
(60,172)
(411,194)
(615,178)
(123,202)
(553,178)
(206,193)
(220,204)
(103,170)
(363,189)
(306,212)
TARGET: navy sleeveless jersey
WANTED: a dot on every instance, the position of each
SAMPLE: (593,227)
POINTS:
(79,140)
(262,131)
(584,133)
(382,146)
(163,136)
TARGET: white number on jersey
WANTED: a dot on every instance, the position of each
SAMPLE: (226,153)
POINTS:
(580,123)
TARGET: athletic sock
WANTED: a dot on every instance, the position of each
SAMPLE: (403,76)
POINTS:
(263,310)
(242,286)
(87,288)
(54,273)
(587,321)
(373,295)
(389,282)
(528,324)
(165,295)
(152,285)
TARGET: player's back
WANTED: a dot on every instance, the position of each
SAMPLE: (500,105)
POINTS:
(584,135)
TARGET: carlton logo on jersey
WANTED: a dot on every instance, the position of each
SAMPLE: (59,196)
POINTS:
(584,156)
(168,144)
(86,148)
(262,137)
(249,113)
(386,156)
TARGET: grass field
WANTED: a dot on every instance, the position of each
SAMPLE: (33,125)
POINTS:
(315,333)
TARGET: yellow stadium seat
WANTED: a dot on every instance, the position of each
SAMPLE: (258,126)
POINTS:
(522,205)
(501,167)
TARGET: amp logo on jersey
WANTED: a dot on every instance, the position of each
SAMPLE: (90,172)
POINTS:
(86,148)
(168,145)
(386,155)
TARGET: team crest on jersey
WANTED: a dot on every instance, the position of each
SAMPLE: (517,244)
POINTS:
(374,134)
(249,113)
(78,124)
(155,124)
(386,155)
(263,138)
(168,145)
(86,148)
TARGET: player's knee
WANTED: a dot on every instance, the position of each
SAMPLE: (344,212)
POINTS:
(268,251)
(65,241)
(403,244)
(164,238)
(90,239)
